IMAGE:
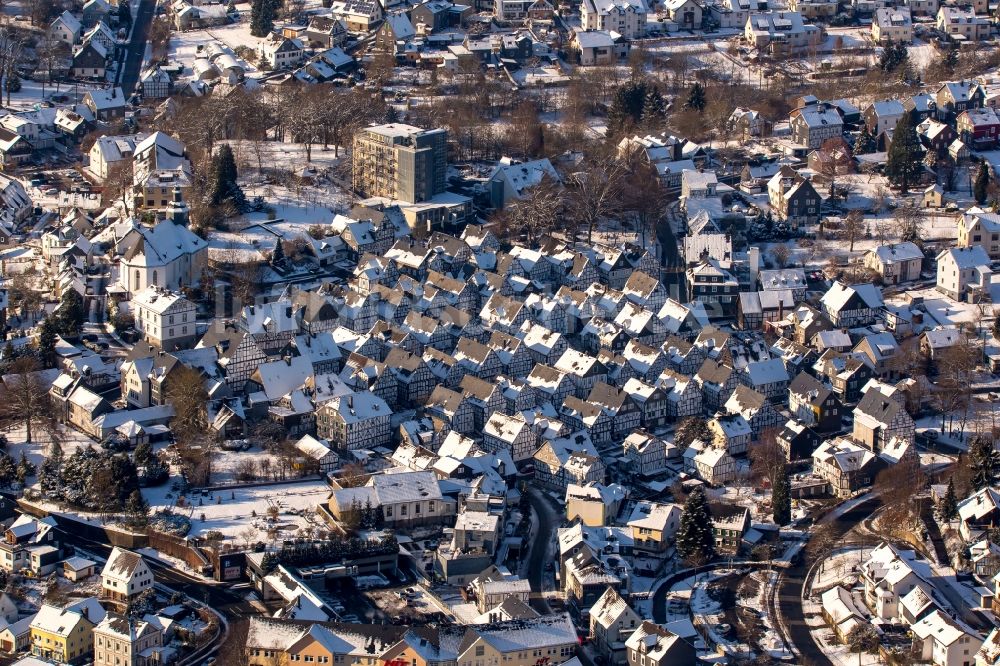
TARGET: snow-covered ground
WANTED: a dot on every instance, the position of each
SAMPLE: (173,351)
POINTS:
(70,440)
(230,511)
(840,568)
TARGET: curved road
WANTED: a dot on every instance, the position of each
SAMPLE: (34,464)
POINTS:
(791,581)
(788,596)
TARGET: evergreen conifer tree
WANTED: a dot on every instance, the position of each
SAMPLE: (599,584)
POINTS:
(948,508)
(695,542)
(8,470)
(696,98)
(137,509)
(903,164)
(24,468)
(984,462)
(626,106)
(50,474)
(258,18)
(982,183)
(865,142)
(71,313)
(781,498)
(47,341)
(654,109)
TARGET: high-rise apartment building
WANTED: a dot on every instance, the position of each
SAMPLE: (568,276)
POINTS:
(400,162)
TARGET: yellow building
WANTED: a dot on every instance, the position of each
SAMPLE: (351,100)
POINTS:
(550,639)
(595,505)
(62,634)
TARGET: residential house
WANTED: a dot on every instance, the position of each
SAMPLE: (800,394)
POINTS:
(814,404)
(780,32)
(106,105)
(954,97)
(944,640)
(652,645)
(594,504)
(892,25)
(119,640)
(754,407)
(816,123)
(405,499)
(793,198)
(63,635)
(355,421)
(977,227)
(962,24)
(849,306)
(626,17)
(125,576)
(165,318)
(281,52)
(654,526)
(964,273)
(612,621)
(846,466)
(896,263)
(66,28)
(714,466)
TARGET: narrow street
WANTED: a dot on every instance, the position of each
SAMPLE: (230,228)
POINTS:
(539,555)
(672,271)
(136,49)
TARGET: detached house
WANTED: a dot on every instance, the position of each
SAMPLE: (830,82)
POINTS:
(982,228)
(964,272)
(611,622)
(125,576)
(793,198)
(896,263)
(66,28)
(282,52)
(652,645)
(626,17)
(962,24)
(892,25)
(815,123)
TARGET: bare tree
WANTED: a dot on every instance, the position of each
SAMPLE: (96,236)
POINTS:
(25,400)
(11,55)
(645,197)
(780,253)
(119,186)
(854,225)
(767,458)
(907,219)
(897,485)
(595,193)
(536,212)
